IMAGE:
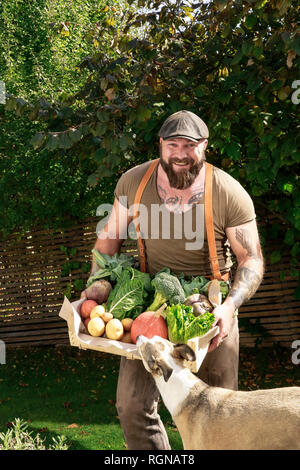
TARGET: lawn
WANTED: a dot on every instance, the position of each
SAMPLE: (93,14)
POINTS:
(67,391)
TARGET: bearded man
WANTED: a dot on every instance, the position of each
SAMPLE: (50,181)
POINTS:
(177,187)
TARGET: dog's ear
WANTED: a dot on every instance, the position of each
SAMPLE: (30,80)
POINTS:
(183,351)
(165,369)
(160,367)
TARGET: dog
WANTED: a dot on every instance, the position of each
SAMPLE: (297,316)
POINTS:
(214,418)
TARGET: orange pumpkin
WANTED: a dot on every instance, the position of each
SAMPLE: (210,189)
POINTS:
(149,324)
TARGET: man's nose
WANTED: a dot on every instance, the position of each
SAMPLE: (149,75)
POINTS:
(182,152)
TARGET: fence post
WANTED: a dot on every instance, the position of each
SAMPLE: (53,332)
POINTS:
(2,352)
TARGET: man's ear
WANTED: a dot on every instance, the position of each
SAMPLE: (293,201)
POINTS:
(183,351)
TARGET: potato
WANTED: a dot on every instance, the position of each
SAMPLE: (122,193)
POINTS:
(96,326)
(126,338)
(86,308)
(127,322)
(114,329)
(86,322)
(97,311)
(107,316)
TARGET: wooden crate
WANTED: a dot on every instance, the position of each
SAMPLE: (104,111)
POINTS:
(79,338)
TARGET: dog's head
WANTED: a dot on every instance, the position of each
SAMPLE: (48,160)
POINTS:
(160,356)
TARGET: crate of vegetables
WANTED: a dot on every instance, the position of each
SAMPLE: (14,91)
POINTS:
(123,302)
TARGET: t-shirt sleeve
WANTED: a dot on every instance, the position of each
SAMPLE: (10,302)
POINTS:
(240,208)
(128,184)
(121,191)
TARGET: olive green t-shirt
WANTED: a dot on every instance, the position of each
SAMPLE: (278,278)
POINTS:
(178,240)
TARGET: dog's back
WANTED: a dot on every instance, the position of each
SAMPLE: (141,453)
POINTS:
(262,419)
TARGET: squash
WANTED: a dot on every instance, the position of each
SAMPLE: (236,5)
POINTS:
(149,324)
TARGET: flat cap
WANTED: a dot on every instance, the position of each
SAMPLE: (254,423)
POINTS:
(184,124)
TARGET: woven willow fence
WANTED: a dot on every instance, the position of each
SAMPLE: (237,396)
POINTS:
(33,285)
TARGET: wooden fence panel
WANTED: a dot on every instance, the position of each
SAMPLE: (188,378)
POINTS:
(32,290)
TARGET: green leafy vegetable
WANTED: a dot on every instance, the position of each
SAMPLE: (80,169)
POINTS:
(144,277)
(183,325)
(127,296)
(110,266)
(195,285)
(199,285)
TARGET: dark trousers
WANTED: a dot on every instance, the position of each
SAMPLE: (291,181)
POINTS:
(138,396)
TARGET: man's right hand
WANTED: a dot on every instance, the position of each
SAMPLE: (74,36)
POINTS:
(83,295)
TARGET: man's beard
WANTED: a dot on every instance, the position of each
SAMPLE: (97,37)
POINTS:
(184,178)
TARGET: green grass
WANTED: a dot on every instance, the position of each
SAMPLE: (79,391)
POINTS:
(67,391)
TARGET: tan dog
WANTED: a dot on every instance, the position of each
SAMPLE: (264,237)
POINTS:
(217,418)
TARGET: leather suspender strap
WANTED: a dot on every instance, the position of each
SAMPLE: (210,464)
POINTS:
(137,199)
(210,233)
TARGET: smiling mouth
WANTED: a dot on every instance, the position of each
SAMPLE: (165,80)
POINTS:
(181,163)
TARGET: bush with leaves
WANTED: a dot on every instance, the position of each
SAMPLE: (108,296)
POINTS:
(44,56)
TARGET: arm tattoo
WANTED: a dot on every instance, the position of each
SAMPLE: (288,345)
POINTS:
(243,236)
(245,285)
(247,279)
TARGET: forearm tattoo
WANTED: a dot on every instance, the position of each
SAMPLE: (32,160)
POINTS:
(247,278)
(245,285)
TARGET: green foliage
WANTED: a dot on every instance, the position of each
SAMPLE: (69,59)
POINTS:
(71,266)
(43,44)
(233,63)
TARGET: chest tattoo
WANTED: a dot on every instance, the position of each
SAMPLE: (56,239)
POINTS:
(175,202)
(195,198)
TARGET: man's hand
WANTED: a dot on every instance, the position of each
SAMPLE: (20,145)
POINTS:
(83,295)
(244,242)
(224,315)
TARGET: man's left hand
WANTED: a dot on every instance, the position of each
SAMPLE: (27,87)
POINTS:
(223,318)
